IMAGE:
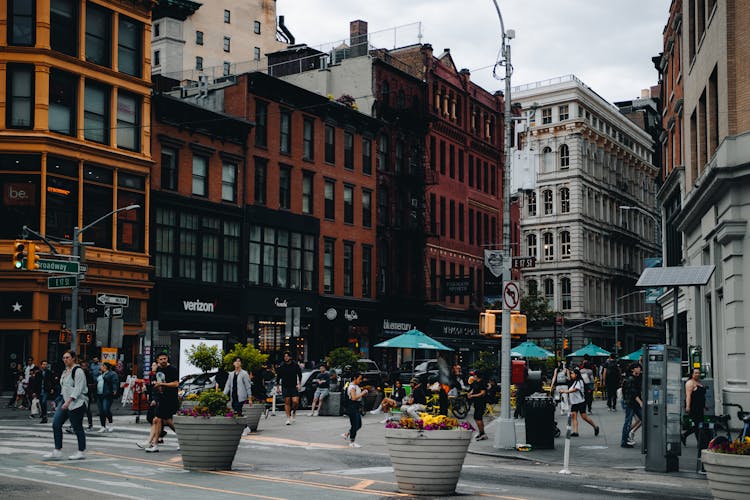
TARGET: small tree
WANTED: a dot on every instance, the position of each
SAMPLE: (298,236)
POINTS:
(486,364)
(252,358)
(536,308)
(204,357)
(342,356)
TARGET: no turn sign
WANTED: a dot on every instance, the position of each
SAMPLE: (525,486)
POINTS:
(511,295)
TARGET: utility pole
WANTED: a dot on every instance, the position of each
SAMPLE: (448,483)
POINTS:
(505,437)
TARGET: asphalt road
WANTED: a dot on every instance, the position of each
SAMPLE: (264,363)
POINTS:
(308,459)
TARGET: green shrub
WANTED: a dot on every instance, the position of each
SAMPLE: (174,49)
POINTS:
(204,357)
(342,356)
(252,358)
(214,401)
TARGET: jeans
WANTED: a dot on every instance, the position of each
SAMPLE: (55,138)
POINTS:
(612,396)
(355,419)
(105,409)
(43,402)
(237,407)
(629,412)
(76,420)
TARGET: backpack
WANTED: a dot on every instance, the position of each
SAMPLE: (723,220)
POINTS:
(73,376)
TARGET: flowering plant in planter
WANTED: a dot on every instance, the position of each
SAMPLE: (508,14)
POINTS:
(211,403)
(427,422)
(736,447)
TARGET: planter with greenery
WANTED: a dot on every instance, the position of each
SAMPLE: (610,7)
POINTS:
(209,433)
(727,465)
(341,357)
(428,453)
(252,360)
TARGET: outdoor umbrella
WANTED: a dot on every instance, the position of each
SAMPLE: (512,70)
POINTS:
(530,350)
(591,350)
(413,339)
(633,356)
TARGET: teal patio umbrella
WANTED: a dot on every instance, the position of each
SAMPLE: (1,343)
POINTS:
(591,349)
(413,339)
(529,349)
(633,356)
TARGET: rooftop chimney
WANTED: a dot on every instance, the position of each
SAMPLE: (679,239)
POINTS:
(358,38)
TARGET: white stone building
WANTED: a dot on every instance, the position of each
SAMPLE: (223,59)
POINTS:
(215,38)
(587,209)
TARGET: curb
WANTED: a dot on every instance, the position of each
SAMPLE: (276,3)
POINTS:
(508,456)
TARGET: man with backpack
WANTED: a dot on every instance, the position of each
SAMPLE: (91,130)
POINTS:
(611,376)
(74,391)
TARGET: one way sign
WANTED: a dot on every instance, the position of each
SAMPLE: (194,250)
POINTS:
(106,299)
(115,312)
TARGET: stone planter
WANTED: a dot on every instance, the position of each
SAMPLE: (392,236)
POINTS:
(727,474)
(253,414)
(427,462)
(208,443)
(188,405)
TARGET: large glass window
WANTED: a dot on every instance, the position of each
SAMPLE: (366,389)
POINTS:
(565,292)
(129,38)
(564,200)
(348,268)
(62,197)
(282,259)
(383,151)
(330,196)
(96,113)
(549,292)
(188,246)
(349,150)
(549,246)
(366,208)
(97,201)
(209,243)
(366,156)
(131,227)
(531,245)
(285,132)
(547,196)
(261,166)
(20,96)
(366,271)
(307,192)
(128,121)
(564,156)
(231,252)
(308,139)
(330,144)
(21,22)
(98,35)
(169,168)
(328,265)
(532,203)
(200,175)
(565,245)
(229,182)
(261,123)
(285,187)
(384,214)
(348,205)
(164,251)
(63,92)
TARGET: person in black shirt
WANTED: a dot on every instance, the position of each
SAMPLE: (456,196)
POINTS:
(289,377)
(221,378)
(166,404)
(478,396)
(632,403)
(322,383)
(416,401)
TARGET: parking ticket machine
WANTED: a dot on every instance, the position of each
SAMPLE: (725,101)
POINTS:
(662,392)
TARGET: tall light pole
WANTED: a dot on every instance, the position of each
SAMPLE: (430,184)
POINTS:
(75,251)
(617,333)
(505,437)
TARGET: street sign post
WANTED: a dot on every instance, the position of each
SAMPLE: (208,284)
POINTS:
(114,312)
(613,322)
(524,262)
(58,266)
(108,299)
(61,282)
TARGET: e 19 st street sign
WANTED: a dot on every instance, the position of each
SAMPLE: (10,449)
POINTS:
(62,281)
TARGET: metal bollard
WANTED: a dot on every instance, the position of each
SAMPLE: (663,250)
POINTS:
(566,455)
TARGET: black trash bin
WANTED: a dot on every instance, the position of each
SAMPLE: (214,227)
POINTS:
(540,421)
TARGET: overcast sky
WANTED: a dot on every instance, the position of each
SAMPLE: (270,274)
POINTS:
(606,43)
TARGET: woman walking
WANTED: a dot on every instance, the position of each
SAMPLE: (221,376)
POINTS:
(578,402)
(106,387)
(354,395)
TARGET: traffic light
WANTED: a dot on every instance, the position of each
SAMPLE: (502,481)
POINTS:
(32,259)
(565,343)
(649,321)
(517,323)
(487,323)
(19,253)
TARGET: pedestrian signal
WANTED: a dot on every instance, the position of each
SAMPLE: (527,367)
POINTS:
(565,343)
(649,321)
(487,323)
(19,253)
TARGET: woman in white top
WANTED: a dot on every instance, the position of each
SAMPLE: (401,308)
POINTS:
(353,401)
(74,393)
(578,402)
(560,383)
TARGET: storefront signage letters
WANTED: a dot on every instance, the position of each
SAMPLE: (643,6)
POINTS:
(280,302)
(198,306)
(460,331)
(331,314)
(395,325)
(350,314)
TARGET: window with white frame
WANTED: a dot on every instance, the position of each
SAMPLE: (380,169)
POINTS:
(548,159)
(229,182)
(546,116)
(256,27)
(200,175)
(564,156)
(563,111)
(565,244)
(565,293)
(549,246)
(531,245)
(549,292)
(547,196)
(564,200)
(532,203)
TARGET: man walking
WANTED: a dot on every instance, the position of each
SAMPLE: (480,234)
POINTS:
(289,377)
(477,396)
(322,383)
(166,404)
(47,389)
(74,389)
(611,376)
(631,400)
(238,386)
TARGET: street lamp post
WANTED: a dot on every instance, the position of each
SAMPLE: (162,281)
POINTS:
(505,437)
(617,339)
(75,251)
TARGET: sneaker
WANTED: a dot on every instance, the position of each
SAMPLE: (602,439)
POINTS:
(596,430)
(102,429)
(354,445)
(288,422)
(246,431)
(574,434)
(143,445)
(152,449)
(481,437)
(43,421)
(109,429)
(160,441)
(79,455)
(178,447)
(53,455)
(90,428)
(631,442)
(345,435)
(626,445)
(311,414)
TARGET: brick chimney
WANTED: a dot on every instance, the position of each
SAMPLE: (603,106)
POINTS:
(465,75)
(358,38)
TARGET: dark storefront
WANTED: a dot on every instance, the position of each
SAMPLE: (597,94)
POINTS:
(349,323)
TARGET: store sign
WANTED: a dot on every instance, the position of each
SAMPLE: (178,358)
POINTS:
(19,194)
(396,326)
(350,314)
(460,286)
(459,331)
(198,305)
(280,302)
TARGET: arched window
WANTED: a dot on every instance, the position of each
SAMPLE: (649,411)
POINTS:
(549,292)
(548,160)
(564,156)
(531,245)
(532,202)
(564,200)
(565,293)
(547,196)
(549,246)
(565,245)
(532,287)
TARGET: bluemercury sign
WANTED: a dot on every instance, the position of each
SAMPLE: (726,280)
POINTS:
(493,278)
(198,305)
(396,327)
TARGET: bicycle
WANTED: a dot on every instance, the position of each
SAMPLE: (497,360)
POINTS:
(458,406)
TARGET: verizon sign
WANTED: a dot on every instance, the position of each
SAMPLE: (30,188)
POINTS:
(198,305)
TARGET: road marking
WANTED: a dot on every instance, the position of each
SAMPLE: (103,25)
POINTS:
(127,484)
(610,489)
(363,485)
(362,471)
(98,492)
(500,496)
(292,442)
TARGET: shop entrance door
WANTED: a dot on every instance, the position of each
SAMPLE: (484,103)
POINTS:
(14,349)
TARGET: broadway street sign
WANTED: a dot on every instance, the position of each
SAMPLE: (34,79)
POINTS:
(58,266)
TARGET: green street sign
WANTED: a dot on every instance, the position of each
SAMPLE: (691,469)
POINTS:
(62,281)
(58,266)
(613,322)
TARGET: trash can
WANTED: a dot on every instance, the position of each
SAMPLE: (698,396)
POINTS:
(540,421)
